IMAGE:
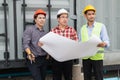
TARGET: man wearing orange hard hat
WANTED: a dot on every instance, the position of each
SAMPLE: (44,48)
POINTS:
(36,56)
(93,64)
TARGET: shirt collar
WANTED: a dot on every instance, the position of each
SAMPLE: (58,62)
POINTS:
(92,25)
(38,28)
(60,29)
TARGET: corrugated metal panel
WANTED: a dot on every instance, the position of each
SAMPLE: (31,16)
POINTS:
(2,39)
(30,8)
(107,13)
(10,30)
(56,4)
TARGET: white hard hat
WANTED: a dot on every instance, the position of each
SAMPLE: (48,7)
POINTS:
(61,11)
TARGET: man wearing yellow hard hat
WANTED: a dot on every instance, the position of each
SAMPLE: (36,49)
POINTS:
(93,63)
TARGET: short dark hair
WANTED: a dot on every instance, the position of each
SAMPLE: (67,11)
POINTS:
(35,16)
(58,16)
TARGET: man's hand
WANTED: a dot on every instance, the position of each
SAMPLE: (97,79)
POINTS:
(48,56)
(102,44)
(31,57)
(40,44)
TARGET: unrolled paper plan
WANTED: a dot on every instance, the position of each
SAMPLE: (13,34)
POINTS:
(63,49)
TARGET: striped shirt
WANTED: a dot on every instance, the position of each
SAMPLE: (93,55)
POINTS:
(68,32)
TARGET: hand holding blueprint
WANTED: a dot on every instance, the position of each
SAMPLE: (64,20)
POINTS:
(63,49)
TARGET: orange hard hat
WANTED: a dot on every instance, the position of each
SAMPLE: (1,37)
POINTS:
(40,11)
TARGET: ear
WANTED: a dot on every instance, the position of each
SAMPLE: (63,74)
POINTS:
(85,15)
(35,20)
(58,19)
(95,14)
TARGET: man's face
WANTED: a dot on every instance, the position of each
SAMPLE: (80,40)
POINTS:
(90,16)
(63,19)
(40,20)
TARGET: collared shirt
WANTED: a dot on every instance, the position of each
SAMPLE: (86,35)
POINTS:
(68,32)
(31,38)
(103,34)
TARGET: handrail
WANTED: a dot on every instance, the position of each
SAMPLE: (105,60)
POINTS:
(24,12)
(49,14)
(6,53)
(15,29)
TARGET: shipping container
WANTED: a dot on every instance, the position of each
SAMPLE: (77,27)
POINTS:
(15,15)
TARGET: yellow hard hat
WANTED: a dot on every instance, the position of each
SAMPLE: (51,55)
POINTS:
(89,7)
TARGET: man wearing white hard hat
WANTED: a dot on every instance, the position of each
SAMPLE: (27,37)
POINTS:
(63,68)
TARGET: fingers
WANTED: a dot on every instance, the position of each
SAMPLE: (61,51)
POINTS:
(47,57)
(31,57)
(102,44)
(40,44)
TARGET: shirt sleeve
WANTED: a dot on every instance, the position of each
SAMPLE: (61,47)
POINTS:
(75,35)
(79,35)
(27,38)
(104,36)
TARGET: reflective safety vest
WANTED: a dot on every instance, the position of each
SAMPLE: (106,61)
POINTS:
(84,37)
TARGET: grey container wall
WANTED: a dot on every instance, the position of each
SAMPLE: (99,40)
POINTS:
(107,12)
(2,45)
(15,36)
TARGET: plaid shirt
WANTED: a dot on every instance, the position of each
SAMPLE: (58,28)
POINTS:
(68,32)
